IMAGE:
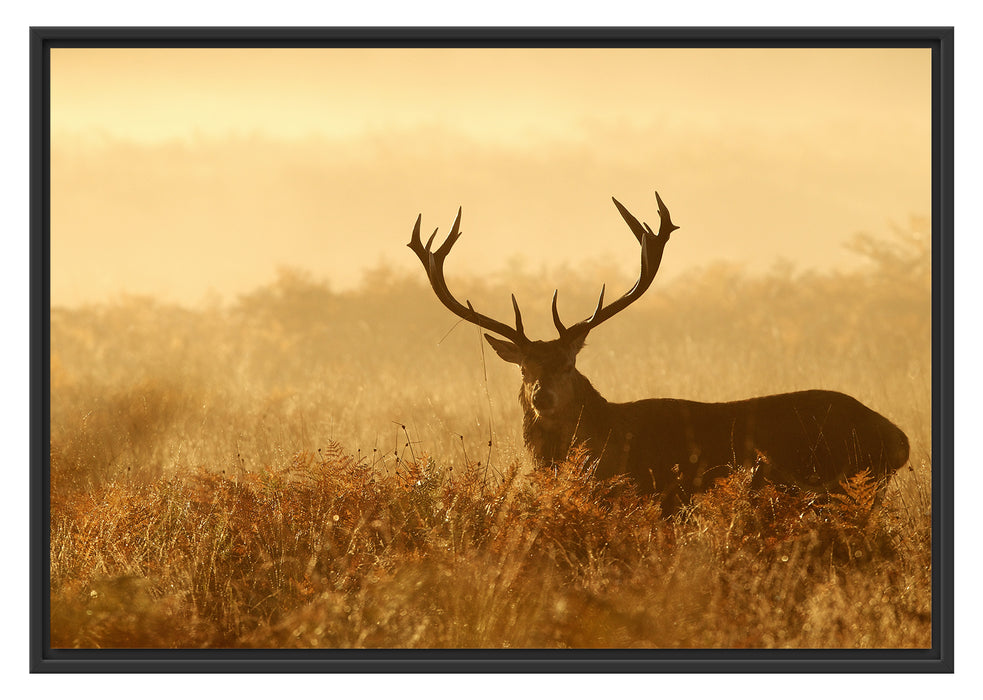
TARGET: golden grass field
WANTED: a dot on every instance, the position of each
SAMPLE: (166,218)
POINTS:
(307,468)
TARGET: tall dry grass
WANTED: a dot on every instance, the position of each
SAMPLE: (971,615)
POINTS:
(309,468)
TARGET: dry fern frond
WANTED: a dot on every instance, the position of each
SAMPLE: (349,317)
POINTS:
(859,496)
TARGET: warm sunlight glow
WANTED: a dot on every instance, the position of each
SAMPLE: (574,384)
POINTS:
(188,173)
(273,424)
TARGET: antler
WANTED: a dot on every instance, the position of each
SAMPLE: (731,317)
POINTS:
(433,263)
(652,248)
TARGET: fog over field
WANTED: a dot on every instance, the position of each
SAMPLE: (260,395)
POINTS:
(191,174)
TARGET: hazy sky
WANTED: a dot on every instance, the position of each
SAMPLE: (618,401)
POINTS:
(181,173)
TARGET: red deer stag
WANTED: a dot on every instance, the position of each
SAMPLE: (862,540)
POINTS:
(672,447)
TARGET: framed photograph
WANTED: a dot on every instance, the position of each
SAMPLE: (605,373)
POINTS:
(680,400)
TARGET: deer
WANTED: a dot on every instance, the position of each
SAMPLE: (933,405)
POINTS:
(672,448)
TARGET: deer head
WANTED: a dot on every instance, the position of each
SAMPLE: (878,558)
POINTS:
(549,375)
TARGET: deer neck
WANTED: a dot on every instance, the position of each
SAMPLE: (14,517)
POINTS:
(582,419)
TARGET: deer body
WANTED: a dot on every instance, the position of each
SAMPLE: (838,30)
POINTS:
(673,447)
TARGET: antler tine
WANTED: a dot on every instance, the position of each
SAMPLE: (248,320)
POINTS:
(666,226)
(518,314)
(433,264)
(652,247)
(430,240)
(451,239)
(597,309)
(518,317)
(632,222)
(556,317)
(415,236)
(559,324)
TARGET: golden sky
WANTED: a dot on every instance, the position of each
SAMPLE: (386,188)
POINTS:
(182,173)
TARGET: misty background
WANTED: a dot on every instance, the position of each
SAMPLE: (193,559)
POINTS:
(197,175)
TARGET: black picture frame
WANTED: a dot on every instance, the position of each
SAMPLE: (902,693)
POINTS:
(937,659)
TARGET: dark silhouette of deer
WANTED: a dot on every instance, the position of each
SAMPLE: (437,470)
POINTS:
(671,447)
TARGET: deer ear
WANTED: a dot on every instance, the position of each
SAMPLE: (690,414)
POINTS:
(507,350)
